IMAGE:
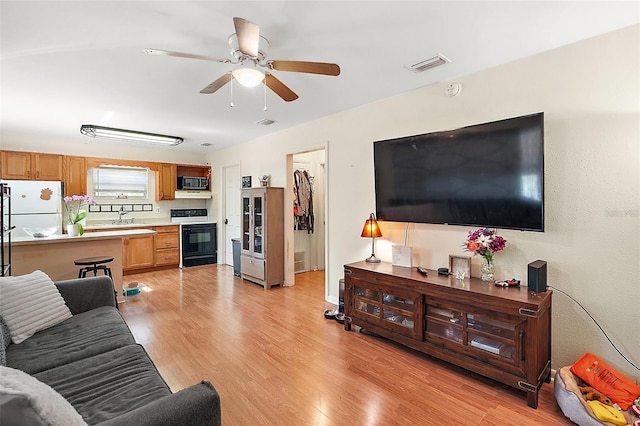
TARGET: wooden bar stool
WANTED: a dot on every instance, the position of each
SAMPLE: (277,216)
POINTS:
(93,264)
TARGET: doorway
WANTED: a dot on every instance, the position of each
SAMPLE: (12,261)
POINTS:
(307,178)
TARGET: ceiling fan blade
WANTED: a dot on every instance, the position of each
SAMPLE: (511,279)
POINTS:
(324,68)
(279,88)
(186,55)
(217,84)
(248,36)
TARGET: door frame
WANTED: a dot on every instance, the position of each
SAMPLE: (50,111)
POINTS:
(288,221)
(222,258)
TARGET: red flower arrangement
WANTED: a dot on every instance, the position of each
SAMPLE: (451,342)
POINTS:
(485,242)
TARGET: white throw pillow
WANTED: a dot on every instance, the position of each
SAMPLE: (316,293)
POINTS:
(30,303)
(44,400)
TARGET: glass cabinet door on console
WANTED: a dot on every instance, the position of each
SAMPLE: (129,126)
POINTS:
(495,337)
(395,309)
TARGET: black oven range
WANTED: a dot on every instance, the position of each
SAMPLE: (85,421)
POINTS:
(198,238)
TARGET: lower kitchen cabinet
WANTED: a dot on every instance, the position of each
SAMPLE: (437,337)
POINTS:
(138,252)
(167,245)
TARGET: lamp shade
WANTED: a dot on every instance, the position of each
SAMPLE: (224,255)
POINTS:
(248,76)
(371,228)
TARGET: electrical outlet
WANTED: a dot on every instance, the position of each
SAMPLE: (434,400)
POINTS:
(157,210)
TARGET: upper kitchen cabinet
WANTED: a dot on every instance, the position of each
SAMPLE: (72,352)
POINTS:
(30,166)
(166,182)
(75,175)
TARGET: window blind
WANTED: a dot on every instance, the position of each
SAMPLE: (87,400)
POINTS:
(120,182)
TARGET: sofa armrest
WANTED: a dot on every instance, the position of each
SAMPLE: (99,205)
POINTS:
(84,294)
(194,406)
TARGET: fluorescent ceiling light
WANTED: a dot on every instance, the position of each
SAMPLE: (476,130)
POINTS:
(129,135)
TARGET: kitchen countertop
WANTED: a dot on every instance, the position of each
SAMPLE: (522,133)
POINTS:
(65,238)
(92,226)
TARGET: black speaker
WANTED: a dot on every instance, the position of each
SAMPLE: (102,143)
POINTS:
(537,276)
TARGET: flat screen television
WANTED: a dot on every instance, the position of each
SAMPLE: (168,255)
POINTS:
(489,175)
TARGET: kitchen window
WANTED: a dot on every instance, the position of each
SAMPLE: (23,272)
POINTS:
(120,182)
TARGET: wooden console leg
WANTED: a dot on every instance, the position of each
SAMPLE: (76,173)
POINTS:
(532,399)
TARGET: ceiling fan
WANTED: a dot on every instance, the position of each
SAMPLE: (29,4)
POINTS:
(248,49)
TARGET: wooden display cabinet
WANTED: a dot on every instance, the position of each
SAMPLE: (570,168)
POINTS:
(500,333)
(262,242)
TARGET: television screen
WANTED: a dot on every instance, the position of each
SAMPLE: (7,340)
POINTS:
(489,175)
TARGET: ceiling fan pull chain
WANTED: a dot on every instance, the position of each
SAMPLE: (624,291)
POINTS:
(231,87)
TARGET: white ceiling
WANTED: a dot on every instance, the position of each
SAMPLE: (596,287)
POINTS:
(81,62)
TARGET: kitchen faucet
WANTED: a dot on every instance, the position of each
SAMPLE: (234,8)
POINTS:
(121,213)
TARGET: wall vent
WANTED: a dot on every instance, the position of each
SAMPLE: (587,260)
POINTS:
(427,64)
(266,122)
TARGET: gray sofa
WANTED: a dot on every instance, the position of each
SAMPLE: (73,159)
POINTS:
(93,361)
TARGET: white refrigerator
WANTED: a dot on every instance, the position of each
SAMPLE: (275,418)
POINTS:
(35,204)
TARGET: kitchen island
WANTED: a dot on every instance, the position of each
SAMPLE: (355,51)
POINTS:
(55,255)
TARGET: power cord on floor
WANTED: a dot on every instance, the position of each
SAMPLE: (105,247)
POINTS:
(601,329)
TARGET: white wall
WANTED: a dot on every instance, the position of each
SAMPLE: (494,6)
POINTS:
(590,95)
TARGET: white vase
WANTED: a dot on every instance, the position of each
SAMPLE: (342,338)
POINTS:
(72,229)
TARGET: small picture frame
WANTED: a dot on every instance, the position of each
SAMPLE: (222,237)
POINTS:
(460,266)
(246,181)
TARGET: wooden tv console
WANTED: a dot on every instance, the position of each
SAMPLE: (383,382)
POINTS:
(501,333)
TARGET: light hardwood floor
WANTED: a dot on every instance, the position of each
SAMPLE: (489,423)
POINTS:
(275,359)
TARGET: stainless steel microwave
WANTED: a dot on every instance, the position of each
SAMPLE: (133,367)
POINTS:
(189,182)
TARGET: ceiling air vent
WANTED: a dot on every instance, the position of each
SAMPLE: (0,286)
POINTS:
(427,64)
(266,122)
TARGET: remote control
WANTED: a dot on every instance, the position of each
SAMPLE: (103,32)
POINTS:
(422,270)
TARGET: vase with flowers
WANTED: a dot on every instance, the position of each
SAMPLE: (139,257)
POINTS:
(485,242)
(75,214)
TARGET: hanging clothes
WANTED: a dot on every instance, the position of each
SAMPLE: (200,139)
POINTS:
(303,201)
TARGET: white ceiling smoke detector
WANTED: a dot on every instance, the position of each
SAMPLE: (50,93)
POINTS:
(454,89)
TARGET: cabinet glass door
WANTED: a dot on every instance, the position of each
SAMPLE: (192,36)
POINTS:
(246,224)
(497,336)
(258,228)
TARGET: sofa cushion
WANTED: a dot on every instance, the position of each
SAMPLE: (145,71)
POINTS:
(26,400)
(30,303)
(83,335)
(105,386)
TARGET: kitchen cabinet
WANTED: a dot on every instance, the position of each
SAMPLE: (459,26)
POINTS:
(500,333)
(158,251)
(167,245)
(75,175)
(31,166)
(138,252)
(262,254)
(166,182)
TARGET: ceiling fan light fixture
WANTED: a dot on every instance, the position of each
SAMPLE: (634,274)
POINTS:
(129,135)
(248,76)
